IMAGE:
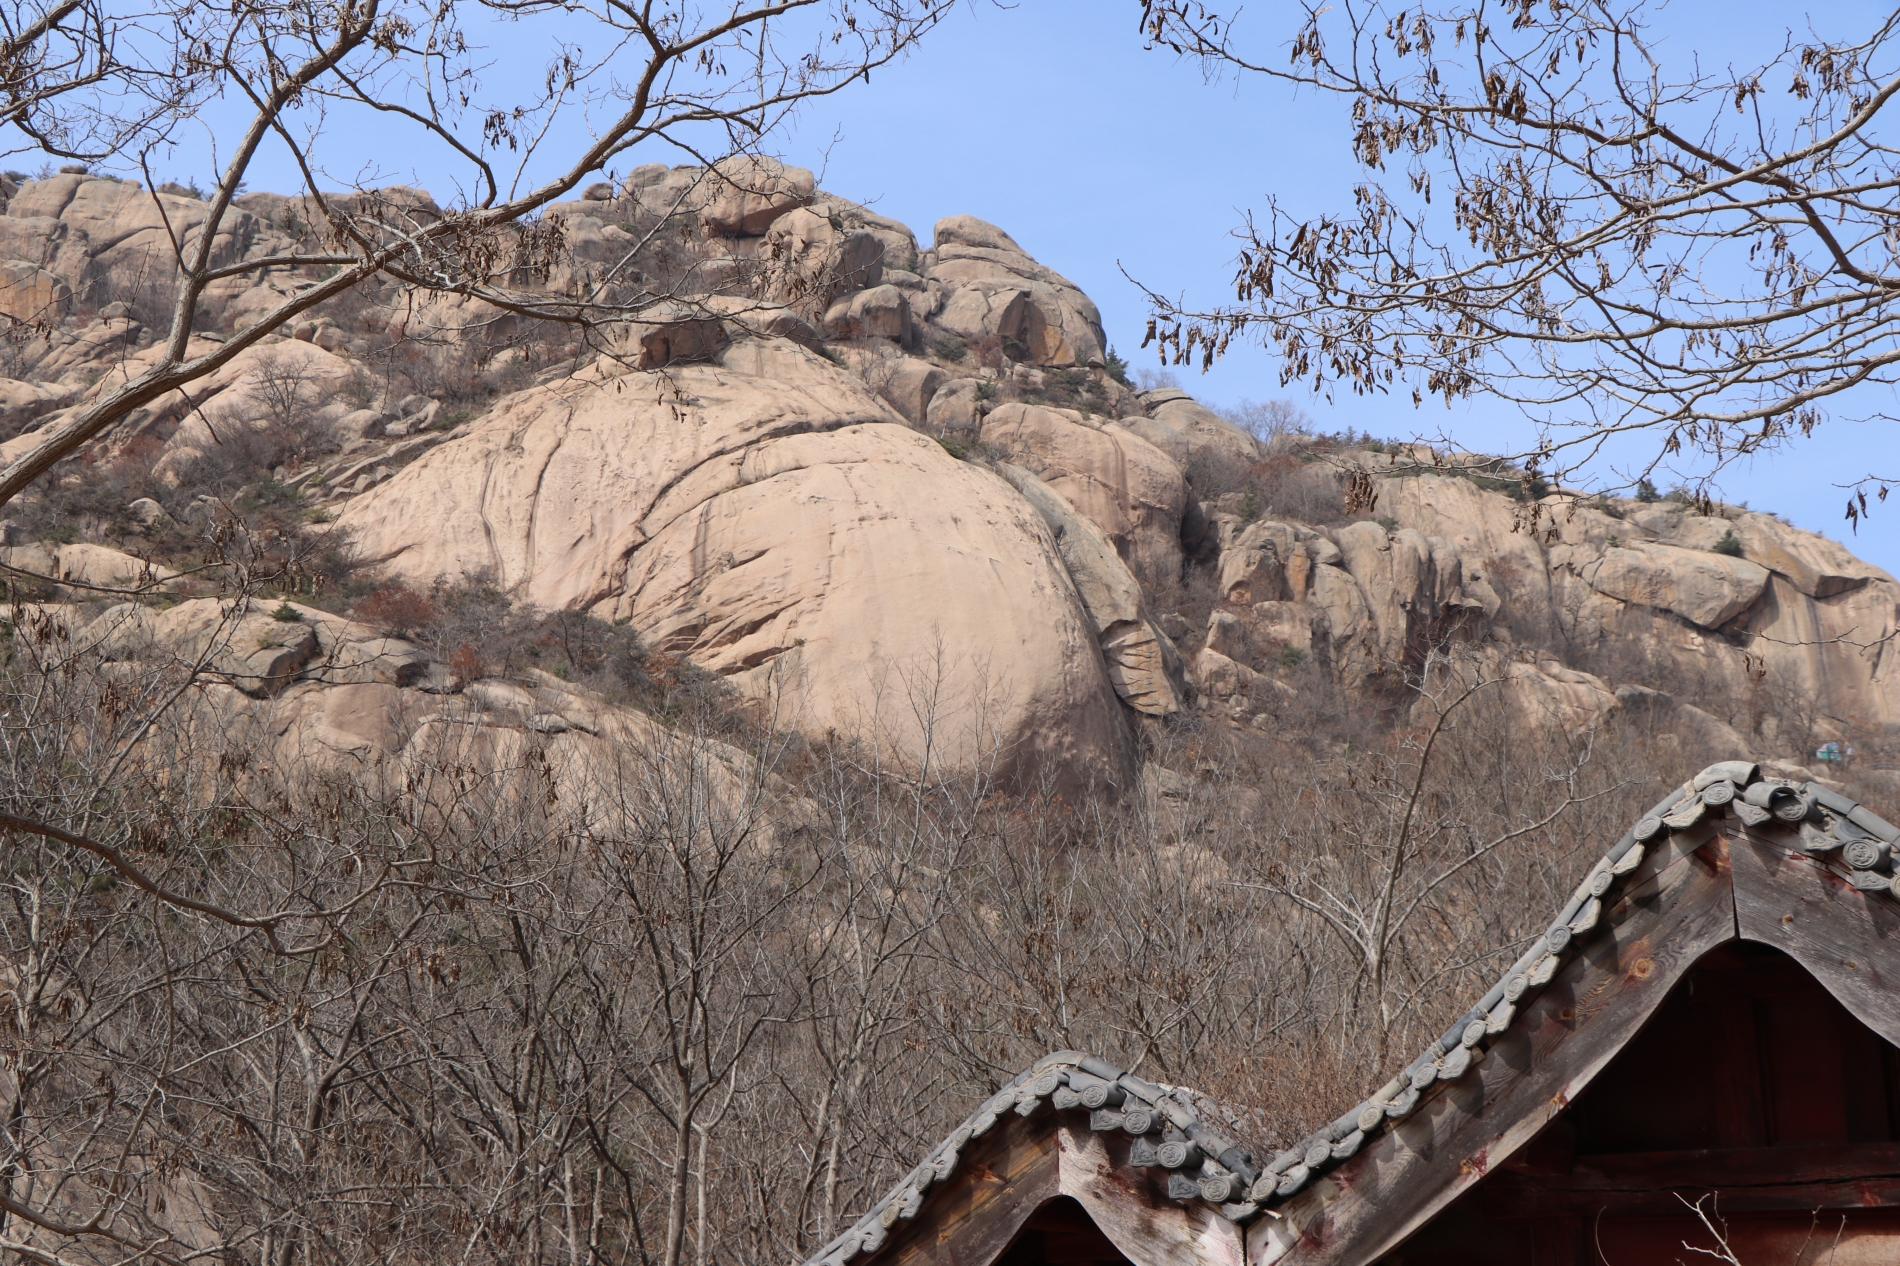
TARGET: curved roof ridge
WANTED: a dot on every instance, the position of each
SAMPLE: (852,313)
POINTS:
(1205,1164)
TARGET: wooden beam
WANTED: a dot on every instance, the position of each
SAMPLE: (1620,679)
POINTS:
(1749,1179)
(970,1217)
(1132,1210)
(1849,940)
(1677,906)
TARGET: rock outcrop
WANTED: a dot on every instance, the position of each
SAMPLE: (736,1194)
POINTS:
(886,491)
(771,519)
(995,290)
(1117,480)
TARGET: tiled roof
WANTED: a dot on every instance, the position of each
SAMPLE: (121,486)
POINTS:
(1204,1164)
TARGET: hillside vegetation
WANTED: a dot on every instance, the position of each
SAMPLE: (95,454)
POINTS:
(521,792)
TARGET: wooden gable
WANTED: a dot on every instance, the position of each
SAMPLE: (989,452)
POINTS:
(1712,1013)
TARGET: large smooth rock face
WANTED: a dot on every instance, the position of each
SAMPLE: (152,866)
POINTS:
(1708,590)
(774,521)
(1411,584)
(810,260)
(1484,527)
(746,193)
(29,294)
(100,235)
(1143,665)
(1117,480)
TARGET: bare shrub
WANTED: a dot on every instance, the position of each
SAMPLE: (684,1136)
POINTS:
(466,665)
(706,991)
(395,609)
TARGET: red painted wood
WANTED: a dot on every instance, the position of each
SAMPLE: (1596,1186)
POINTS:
(1751,1085)
(1842,1238)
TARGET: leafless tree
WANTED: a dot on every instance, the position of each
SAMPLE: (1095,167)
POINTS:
(647,78)
(700,994)
(1559,212)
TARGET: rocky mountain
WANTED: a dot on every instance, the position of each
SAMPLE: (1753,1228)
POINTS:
(884,487)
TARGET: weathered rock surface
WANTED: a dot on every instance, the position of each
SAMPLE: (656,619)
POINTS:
(774,514)
(29,294)
(1708,590)
(770,518)
(88,568)
(748,193)
(996,289)
(328,698)
(813,260)
(1143,665)
(1189,431)
(1118,481)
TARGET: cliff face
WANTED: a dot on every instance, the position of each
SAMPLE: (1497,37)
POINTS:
(898,490)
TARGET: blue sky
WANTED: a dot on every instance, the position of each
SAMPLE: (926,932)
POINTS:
(1110,162)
